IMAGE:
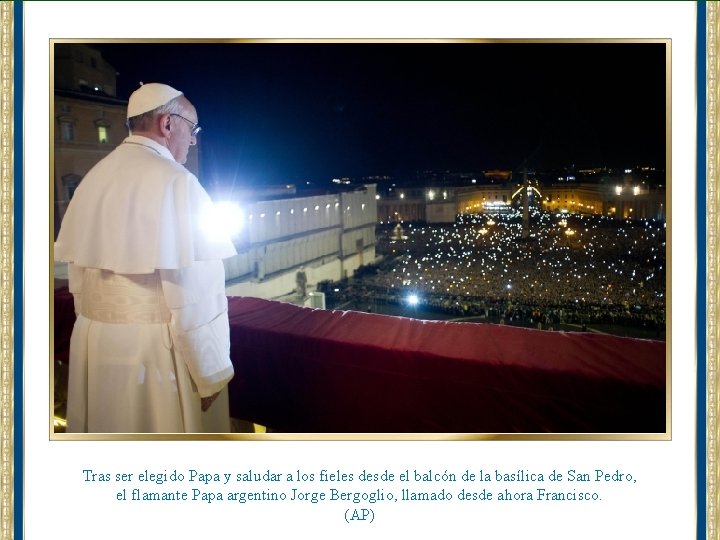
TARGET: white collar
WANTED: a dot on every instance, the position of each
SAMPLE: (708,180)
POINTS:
(149,143)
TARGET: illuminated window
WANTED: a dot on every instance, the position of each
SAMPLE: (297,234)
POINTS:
(103,128)
(103,137)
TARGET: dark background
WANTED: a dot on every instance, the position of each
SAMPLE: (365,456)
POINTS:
(297,112)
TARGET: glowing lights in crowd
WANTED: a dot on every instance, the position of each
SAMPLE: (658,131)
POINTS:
(413,300)
(588,259)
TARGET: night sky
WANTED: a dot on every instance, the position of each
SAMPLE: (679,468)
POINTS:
(296,112)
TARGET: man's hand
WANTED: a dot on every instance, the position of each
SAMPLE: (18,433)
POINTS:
(207,401)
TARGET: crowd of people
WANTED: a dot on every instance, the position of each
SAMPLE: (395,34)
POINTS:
(560,269)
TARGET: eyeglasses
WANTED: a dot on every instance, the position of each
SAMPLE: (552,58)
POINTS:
(194,126)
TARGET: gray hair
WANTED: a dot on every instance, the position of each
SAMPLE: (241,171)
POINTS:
(143,121)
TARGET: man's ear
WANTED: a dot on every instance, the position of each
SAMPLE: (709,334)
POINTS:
(164,121)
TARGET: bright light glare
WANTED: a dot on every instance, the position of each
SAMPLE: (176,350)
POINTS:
(413,300)
(224,219)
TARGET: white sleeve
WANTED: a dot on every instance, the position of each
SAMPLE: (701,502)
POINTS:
(199,322)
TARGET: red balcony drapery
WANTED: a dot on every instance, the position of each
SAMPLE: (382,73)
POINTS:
(318,371)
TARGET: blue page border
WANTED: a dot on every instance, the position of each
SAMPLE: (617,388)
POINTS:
(701,270)
(18,268)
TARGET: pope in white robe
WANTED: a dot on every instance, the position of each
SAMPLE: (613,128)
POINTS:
(150,349)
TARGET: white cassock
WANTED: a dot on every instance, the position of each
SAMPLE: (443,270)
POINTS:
(145,269)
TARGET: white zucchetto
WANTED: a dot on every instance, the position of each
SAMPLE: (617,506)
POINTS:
(150,96)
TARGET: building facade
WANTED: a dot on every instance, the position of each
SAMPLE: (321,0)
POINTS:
(624,197)
(88,120)
(327,236)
